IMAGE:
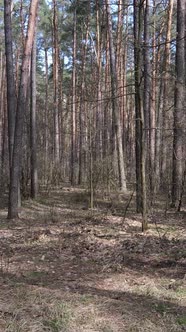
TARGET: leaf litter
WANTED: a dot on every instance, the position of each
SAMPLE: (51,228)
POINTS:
(66,268)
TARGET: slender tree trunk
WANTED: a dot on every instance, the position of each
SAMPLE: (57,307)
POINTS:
(46,114)
(165,88)
(82,108)
(73,121)
(2,110)
(4,136)
(56,86)
(98,149)
(140,135)
(17,149)
(147,83)
(152,115)
(61,111)
(11,92)
(120,63)
(106,138)
(159,117)
(124,71)
(33,134)
(179,101)
(115,105)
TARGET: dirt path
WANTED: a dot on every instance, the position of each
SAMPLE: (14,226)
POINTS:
(66,268)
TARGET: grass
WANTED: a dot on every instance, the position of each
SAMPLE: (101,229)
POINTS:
(181,321)
(58,318)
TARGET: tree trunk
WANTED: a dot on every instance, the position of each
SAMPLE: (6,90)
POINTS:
(140,135)
(98,138)
(147,84)
(165,90)
(82,108)
(21,103)
(73,121)
(11,92)
(115,105)
(46,116)
(33,134)
(56,85)
(179,101)
(152,115)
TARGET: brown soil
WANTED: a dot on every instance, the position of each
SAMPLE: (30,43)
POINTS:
(64,267)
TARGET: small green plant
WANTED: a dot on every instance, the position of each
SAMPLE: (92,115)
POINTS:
(58,318)
(181,320)
(86,299)
(161,308)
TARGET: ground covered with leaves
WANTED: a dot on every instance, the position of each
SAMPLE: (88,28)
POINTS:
(64,267)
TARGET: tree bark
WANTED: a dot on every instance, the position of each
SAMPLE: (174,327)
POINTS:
(141,199)
(73,121)
(33,133)
(82,108)
(46,114)
(21,103)
(11,92)
(115,104)
(179,101)
(165,89)
(56,85)
(147,80)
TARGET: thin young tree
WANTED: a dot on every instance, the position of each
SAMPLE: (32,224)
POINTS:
(33,133)
(56,84)
(141,200)
(11,91)
(73,120)
(115,103)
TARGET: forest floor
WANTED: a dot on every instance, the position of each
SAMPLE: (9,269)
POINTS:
(64,267)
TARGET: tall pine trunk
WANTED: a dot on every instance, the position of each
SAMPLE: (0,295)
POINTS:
(21,104)
(140,133)
(56,85)
(33,138)
(179,102)
(115,104)
(11,92)
(73,120)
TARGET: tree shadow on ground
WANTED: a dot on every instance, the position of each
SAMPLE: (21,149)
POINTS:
(113,302)
(77,251)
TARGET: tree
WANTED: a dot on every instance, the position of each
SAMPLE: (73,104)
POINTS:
(56,84)
(179,102)
(73,120)
(21,103)
(11,92)
(140,132)
(33,138)
(115,105)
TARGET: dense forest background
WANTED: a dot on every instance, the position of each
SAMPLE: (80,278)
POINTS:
(93,166)
(93,93)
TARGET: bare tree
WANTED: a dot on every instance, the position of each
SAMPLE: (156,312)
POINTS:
(73,121)
(21,103)
(33,138)
(179,101)
(115,104)
(140,121)
(56,84)
(11,92)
